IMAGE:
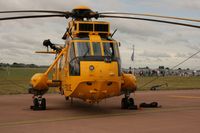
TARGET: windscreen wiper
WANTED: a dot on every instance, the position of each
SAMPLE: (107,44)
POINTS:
(88,50)
(107,52)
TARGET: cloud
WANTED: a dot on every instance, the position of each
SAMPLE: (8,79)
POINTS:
(180,55)
(136,28)
(183,4)
(154,54)
(193,46)
(20,38)
(167,6)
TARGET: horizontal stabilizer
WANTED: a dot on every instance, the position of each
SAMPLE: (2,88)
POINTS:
(45,52)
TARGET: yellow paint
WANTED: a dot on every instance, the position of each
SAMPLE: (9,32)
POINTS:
(81,7)
(129,82)
(100,78)
(39,81)
(45,52)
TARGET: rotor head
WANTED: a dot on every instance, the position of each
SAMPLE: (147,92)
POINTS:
(82,12)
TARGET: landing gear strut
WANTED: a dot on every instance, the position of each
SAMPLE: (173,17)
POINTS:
(128,103)
(39,103)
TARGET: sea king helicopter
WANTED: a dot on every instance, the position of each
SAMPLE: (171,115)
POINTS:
(88,65)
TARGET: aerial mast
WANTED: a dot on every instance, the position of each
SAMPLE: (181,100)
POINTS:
(132,58)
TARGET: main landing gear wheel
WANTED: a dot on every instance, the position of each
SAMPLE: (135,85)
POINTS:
(39,103)
(128,103)
(43,104)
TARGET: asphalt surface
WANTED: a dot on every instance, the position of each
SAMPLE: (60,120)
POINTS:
(180,112)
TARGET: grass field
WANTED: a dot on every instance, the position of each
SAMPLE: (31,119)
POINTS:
(174,82)
(16,81)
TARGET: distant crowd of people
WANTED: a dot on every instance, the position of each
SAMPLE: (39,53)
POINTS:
(163,72)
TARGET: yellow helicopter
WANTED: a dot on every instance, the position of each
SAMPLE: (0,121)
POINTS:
(88,66)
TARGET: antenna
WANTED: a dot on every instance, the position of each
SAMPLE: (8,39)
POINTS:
(133,58)
(114,33)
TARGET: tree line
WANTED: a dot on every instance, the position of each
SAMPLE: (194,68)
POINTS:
(22,65)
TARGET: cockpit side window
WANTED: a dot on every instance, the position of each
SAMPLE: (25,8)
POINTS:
(116,49)
(97,49)
(83,49)
(71,52)
(110,49)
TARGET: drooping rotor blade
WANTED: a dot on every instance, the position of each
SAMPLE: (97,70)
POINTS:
(148,19)
(151,15)
(35,11)
(33,16)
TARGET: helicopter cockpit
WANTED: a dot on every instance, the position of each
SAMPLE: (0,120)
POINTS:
(85,50)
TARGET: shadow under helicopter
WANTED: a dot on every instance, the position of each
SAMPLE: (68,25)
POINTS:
(79,107)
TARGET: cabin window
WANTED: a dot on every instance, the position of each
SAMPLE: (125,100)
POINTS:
(83,49)
(71,52)
(96,48)
(74,64)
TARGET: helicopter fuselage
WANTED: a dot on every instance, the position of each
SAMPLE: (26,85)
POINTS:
(89,65)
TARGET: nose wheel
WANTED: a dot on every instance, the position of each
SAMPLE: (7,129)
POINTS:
(39,103)
(128,103)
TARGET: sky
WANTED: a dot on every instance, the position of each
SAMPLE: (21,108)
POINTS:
(155,44)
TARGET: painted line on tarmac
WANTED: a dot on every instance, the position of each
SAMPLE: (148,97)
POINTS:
(185,97)
(92,116)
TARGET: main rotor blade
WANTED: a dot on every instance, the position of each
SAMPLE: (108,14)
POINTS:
(151,15)
(153,20)
(35,11)
(32,16)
